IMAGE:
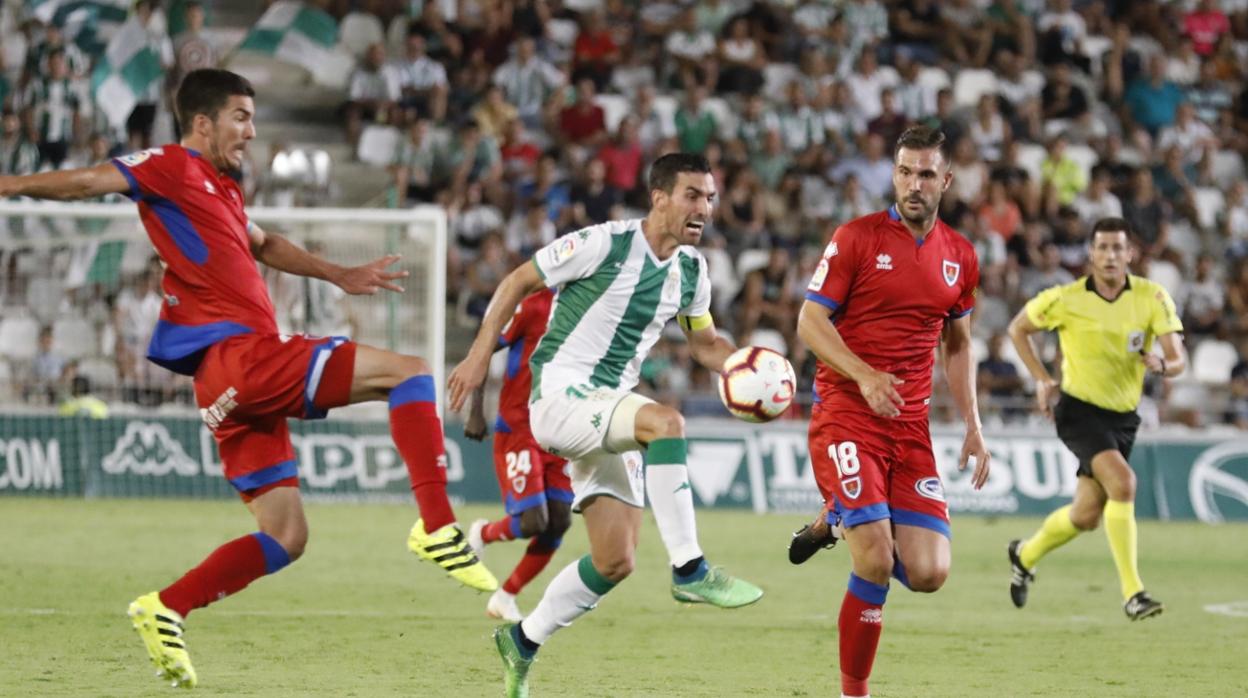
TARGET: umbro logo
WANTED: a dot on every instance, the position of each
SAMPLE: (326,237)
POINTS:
(883,262)
(872,615)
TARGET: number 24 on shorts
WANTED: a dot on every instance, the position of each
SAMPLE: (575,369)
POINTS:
(845,456)
(519,464)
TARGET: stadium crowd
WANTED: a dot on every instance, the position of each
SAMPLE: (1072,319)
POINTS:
(526,119)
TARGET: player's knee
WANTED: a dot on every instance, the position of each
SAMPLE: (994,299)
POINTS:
(1085,520)
(616,567)
(927,580)
(293,539)
(670,424)
(875,564)
(409,366)
(1123,489)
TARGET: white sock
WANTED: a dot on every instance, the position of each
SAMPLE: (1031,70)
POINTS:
(671,500)
(571,594)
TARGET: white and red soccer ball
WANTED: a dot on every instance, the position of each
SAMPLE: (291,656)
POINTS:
(757,384)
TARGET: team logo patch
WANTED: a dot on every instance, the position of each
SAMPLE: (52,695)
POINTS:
(134,159)
(1135,342)
(518,483)
(872,615)
(931,488)
(821,273)
(563,250)
(884,261)
(852,487)
(830,250)
(951,271)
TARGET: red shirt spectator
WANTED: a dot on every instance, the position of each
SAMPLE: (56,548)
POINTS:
(1205,25)
(583,122)
(622,156)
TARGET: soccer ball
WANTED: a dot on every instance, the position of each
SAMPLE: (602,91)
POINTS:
(757,384)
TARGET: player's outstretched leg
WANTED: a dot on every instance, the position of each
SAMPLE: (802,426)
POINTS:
(544,525)
(671,500)
(821,533)
(158,617)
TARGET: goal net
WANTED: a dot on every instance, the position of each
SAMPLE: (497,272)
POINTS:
(79,295)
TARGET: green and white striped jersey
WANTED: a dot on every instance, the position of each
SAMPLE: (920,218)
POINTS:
(614,297)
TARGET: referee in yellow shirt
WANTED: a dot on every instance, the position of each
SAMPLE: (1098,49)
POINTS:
(1106,323)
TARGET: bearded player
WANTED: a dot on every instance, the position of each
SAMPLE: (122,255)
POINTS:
(892,287)
(217,324)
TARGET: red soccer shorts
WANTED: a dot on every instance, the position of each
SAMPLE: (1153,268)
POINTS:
(247,385)
(871,468)
(527,475)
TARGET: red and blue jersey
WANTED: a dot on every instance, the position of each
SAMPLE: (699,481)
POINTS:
(520,336)
(889,296)
(194,217)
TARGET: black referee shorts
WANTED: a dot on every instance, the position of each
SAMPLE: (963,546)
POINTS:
(1087,430)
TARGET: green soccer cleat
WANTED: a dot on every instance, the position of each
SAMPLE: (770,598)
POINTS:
(515,664)
(717,588)
(449,549)
(160,628)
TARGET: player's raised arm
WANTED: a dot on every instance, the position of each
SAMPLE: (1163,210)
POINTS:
(815,327)
(281,254)
(955,347)
(470,373)
(67,185)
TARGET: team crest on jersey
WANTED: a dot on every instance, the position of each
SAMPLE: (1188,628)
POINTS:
(931,488)
(1135,342)
(518,482)
(852,487)
(821,273)
(951,271)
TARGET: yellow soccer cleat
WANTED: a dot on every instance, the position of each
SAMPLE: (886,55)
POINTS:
(160,628)
(448,548)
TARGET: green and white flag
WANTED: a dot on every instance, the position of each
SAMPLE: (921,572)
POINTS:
(89,24)
(126,71)
(295,33)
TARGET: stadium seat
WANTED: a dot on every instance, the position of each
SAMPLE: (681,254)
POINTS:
(19,336)
(1094,46)
(1213,360)
(614,108)
(1030,156)
(665,106)
(44,296)
(6,381)
(776,77)
(749,260)
(934,78)
(378,144)
(562,32)
(1227,166)
(358,31)
(971,83)
(1085,156)
(73,337)
(724,115)
(101,372)
(396,34)
(1209,203)
(769,339)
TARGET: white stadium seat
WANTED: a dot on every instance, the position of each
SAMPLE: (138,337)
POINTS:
(73,337)
(1209,203)
(358,31)
(1213,360)
(970,84)
(378,144)
(614,107)
(19,337)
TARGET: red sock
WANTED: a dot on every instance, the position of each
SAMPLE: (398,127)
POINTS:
(417,433)
(535,559)
(504,529)
(226,571)
(860,624)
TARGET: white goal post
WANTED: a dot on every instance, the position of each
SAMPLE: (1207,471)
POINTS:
(53,254)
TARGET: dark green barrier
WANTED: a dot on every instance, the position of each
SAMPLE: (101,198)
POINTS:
(731,465)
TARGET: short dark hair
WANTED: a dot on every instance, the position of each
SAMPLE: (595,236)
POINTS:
(206,90)
(921,137)
(665,170)
(1112,225)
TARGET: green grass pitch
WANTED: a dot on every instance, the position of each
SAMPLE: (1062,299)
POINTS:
(359,616)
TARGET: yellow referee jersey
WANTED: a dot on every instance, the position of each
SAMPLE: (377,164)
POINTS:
(1102,340)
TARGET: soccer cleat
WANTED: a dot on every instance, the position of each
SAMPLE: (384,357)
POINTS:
(474,537)
(503,605)
(813,537)
(160,628)
(448,548)
(718,588)
(515,664)
(1142,606)
(1020,577)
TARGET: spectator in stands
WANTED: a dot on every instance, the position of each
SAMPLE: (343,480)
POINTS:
(495,35)
(549,186)
(917,30)
(801,126)
(81,402)
(866,83)
(999,213)
(485,272)
(873,167)
(1237,411)
(1237,297)
(595,200)
(742,213)
(1148,214)
(134,316)
(694,51)
(473,157)
(1061,98)
(1192,136)
(1203,298)
(529,81)
(529,229)
(742,59)
(998,379)
(891,122)
(143,119)
(422,81)
(6,86)
(969,33)
(695,124)
(622,156)
(1234,219)
(1204,25)
(989,131)
(1152,101)
(1061,178)
(419,165)
(970,177)
(37,54)
(595,53)
(47,370)
(1072,241)
(18,156)
(53,112)
(1047,272)
(1210,95)
(1060,33)
(372,94)
(1097,201)
(853,201)
(766,298)
(323,308)
(583,123)
(494,113)
(191,49)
